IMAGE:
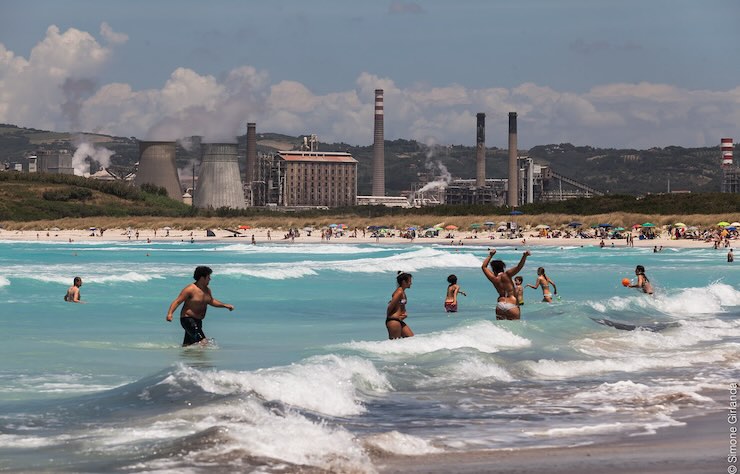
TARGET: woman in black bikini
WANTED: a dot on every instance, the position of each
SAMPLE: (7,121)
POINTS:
(396,312)
(642,281)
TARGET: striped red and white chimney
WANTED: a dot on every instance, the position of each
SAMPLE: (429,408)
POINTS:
(378,147)
(727,148)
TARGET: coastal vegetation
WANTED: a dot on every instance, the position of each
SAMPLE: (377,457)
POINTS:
(41,201)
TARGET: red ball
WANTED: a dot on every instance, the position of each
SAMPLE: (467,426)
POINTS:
(626,281)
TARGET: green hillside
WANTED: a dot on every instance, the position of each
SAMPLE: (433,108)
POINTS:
(615,171)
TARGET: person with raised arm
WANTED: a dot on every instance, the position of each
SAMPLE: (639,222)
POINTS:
(507,306)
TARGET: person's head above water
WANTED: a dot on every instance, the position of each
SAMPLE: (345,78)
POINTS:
(452,279)
(403,277)
(498,266)
(518,280)
(201,272)
(639,270)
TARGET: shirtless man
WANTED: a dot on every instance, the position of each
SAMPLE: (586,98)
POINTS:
(73,292)
(507,306)
(196,296)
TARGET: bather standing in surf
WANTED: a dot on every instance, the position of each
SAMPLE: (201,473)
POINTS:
(507,306)
(396,312)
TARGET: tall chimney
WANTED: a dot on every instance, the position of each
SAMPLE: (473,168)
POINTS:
(251,152)
(480,151)
(513,197)
(378,147)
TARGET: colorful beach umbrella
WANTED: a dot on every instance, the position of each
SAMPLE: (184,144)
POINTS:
(516,213)
(679,224)
(244,227)
(575,224)
(489,223)
(451,227)
(723,224)
(474,226)
(648,224)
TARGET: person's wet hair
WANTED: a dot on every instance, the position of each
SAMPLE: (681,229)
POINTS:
(452,279)
(498,266)
(201,271)
(402,277)
(518,279)
(640,269)
(77,280)
(541,271)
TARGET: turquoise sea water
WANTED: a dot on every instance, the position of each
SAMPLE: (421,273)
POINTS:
(302,373)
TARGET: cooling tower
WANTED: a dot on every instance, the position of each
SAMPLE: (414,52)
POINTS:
(513,196)
(251,152)
(219,182)
(378,147)
(480,151)
(157,166)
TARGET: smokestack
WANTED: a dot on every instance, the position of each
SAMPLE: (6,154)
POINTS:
(157,166)
(378,147)
(727,147)
(251,152)
(480,150)
(219,183)
(513,197)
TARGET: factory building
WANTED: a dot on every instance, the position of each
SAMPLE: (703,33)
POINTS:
(307,179)
(52,161)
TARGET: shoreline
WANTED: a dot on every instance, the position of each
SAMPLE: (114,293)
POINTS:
(260,234)
(701,445)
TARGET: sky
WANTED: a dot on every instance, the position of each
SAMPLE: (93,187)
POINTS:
(605,73)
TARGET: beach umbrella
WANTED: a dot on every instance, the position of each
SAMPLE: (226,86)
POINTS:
(332,225)
(723,224)
(730,227)
(474,226)
(93,228)
(679,224)
(575,224)
(489,223)
(735,224)
(619,228)
(451,227)
(648,224)
(167,228)
(244,227)
(542,226)
(516,213)
(54,229)
(410,228)
(605,225)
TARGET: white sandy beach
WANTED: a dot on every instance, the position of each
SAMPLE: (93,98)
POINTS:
(277,236)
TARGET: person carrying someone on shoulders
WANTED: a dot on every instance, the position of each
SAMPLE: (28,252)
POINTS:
(396,312)
(196,298)
(73,292)
(507,306)
(452,290)
(545,282)
(642,281)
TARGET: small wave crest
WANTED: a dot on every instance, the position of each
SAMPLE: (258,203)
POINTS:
(483,336)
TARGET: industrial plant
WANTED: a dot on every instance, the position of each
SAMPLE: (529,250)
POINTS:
(309,178)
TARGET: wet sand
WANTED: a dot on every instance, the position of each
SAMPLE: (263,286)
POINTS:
(701,446)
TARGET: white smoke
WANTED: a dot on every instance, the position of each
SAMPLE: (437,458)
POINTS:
(442,178)
(85,151)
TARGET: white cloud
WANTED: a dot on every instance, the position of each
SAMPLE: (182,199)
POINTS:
(111,36)
(641,115)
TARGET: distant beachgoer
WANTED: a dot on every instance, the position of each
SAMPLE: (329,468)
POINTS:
(73,292)
(269,236)
(601,244)
(396,312)
(642,281)
(452,290)
(730,256)
(254,242)
(507,306)
(196,298)
(545,282)
(655,249)
(519,290)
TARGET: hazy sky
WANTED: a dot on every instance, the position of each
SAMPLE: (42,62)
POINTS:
(608,73)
